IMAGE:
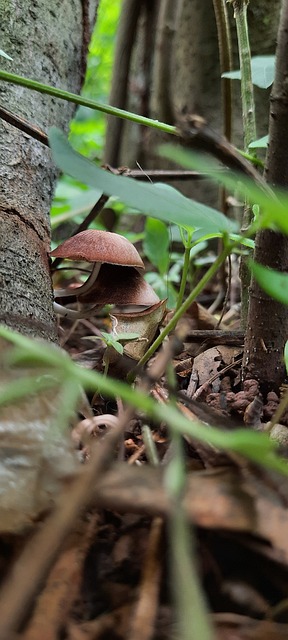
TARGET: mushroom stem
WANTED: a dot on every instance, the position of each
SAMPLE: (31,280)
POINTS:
(66,293)
(73,314)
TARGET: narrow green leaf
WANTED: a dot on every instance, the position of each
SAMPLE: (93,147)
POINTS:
(157,201)
(274,204)
(256,446)
(273,282)
(156,244)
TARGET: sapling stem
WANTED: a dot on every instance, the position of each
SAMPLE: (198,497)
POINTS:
(247,93)
(185,269)
(184,307)
(85,102)
(249,130)
(97,106)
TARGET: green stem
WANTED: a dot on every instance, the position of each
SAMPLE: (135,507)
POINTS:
(191,606)
(247,94)
(97,106)
(249,130)
(253,159)
(185,269)
(85,102)
(179,312)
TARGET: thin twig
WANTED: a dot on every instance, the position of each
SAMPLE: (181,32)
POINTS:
(143,619)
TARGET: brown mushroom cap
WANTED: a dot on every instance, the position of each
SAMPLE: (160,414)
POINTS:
(99,246)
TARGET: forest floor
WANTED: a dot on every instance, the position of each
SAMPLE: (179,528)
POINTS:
(108,576)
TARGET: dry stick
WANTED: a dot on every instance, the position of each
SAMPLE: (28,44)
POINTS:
(143,622)
(206,384)
(24,125)
(193,129)
(96,209)
(197,134)
(62,587)
(164,175)
(138,174)
(18,592)
(216,336)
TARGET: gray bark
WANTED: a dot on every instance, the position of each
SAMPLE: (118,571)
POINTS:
(48,42)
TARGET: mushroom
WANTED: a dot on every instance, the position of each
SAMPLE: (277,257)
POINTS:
(114,278)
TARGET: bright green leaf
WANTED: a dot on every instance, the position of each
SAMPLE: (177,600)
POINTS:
(152,200)
(263,71)
(261,143)
(126,337)
(273,282)
(156,244)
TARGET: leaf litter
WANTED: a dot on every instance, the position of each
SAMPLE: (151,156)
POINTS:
(97,557)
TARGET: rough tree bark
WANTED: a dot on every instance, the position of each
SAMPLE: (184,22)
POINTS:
(47,41)
(267,329)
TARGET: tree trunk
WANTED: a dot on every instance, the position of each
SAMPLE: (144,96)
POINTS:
(48,42)
(267,329)
(186,48)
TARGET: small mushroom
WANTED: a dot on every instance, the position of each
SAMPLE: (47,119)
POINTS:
(121,286)
(114,278)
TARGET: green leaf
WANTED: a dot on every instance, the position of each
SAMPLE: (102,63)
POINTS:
(273,203)
(256,446)
(5,55)
(263,71)
(126,337)
(156,244)
(261,143)
(273,282)
(152,200)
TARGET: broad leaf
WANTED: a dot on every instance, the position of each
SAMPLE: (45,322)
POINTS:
(263,71)
(157,201)
(272,282)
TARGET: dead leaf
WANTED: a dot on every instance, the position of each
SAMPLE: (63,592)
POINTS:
(144,323)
